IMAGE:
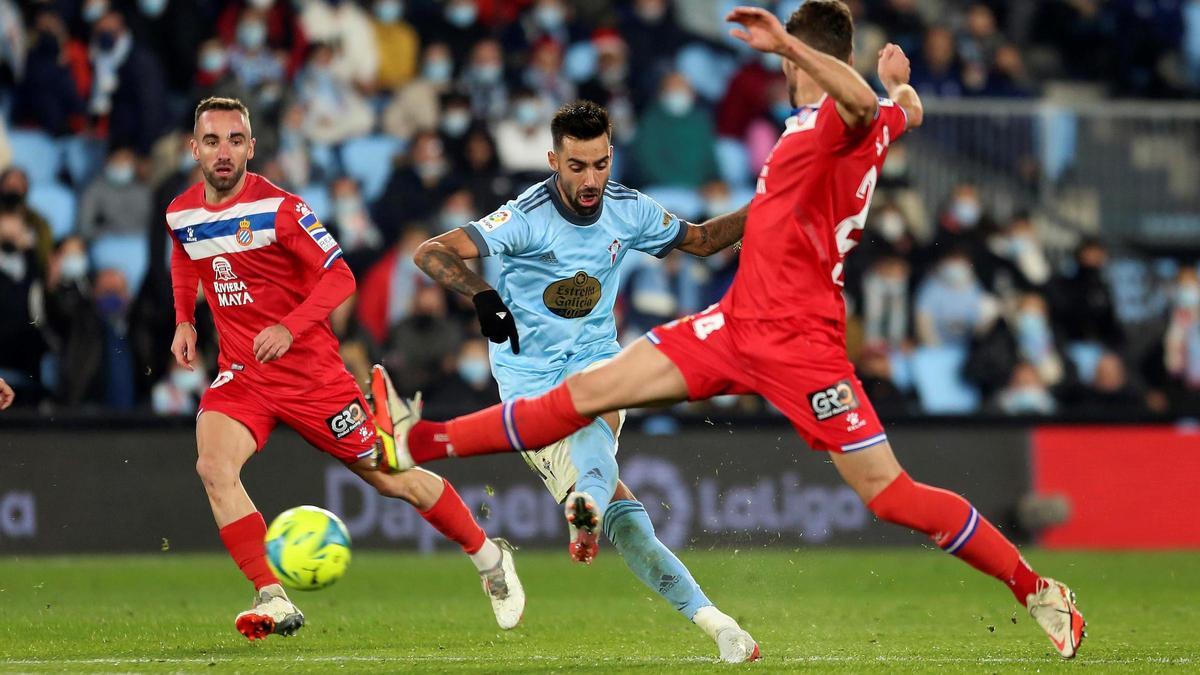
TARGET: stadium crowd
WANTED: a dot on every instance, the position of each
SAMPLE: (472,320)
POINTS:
(397,120)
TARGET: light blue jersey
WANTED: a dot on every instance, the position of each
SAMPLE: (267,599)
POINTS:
(559,274)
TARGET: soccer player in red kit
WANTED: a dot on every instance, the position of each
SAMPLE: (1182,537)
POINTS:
(272,274)
(780,330)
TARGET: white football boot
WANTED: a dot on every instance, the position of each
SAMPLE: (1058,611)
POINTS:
(1053,607)
(394,417)
(583,523)
(735,644)
(503,587)
(272,613)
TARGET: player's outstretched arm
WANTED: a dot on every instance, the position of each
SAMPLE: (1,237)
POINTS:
(894,71)
(444,258)
(856,102)
(715,234)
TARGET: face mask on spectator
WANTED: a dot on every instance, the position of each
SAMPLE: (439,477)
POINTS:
(456,122)
(956,273)
(11,199)
(431,169)
(110,304)
(74,266)
(451,219)
(346,207)
(966,212)
(252,34)
(460,15)
(186,380)
(474,371)
(891,225)
(12,263)
(119,173)
(437,70)
(1188,296)
(389,11)
(1032,324)
(1027,400)
(527,113)
(717,206)
(613,75)
(487,73)
(152,8)
(94,10)
(212,61)
(106,41)
(261,4)
(678,102)
(549,17)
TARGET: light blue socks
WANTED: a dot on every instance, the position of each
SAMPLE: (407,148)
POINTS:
(628,527)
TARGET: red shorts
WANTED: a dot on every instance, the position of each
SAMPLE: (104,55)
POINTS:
(334,418)
(799,365)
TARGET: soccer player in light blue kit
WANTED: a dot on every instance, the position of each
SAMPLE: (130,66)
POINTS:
(560,245)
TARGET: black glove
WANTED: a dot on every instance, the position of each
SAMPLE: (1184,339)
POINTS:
(495,320)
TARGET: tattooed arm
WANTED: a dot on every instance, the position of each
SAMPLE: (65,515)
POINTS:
(442,259)
(715,233)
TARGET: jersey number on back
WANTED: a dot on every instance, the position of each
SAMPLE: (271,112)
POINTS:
(854,223)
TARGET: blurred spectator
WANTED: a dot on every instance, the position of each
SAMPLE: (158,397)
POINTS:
(609,87)
(56,79)
(416,345)
(481,172)
(459,27)
(1182,341)
(483,80)
(875,373)
(334,111)
(748,98)
(764,131)
(294,151)
(417,187)
(387,290)
(523,139)
(1025,394)
(980,37)
(117,366)
(355,343)
(357,234)
(179,392)
(73,323)
(654,37)
(901,21)
(1110,395)
(674,141)
(1083,302)
(885,302)
(1018,243)
(963,224)
(251,59)
(284,33)
(414,107)
(20,311)
(1006,77)
(544,74)
(128,90)
(14,191)
(172,30)
(457,210)
(116,201)
(469,385)
(398,45)
(1026,336)
(455,122)
(1081,32)
(5,148)
(12,46)
(951,305)
(347,29)
(935,73)
(544,20)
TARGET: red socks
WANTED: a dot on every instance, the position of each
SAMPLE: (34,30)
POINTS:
(450,516)
(957,528)
(243,538)
(524,423)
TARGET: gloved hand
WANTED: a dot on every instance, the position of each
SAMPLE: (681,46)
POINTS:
(495,320)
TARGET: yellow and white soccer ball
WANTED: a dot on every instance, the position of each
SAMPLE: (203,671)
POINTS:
(308,548)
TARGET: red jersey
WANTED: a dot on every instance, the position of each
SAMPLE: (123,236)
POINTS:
(809,210)
(262,258)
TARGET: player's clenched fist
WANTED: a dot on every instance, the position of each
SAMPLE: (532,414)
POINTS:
(272,343)
(496,320)
(894,69)
(184,345)
(763,31)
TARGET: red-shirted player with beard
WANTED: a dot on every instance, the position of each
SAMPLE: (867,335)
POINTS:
(780,330)
(272,274)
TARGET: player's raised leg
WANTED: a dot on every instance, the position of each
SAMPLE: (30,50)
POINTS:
(224,446)
(628,527)
(959,529)
(639,376)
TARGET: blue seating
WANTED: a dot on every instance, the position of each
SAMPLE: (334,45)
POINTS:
(733,162)
(708,70)
(369,161)
(317,198)
(901,365)
(126,252)
(937,375)
(683,202)
(579,61)
(36,153)
(56,202)
(1085,356)
(83,157)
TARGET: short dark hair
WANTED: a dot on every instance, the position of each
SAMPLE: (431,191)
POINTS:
(826,26)
(584,120)
(220,103)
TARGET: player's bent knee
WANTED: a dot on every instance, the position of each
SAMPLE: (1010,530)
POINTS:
(214,469)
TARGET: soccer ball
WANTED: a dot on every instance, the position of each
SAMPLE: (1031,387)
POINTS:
(308,548)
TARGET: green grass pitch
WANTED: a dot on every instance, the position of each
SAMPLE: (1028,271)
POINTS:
(853,611)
